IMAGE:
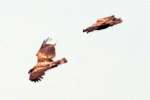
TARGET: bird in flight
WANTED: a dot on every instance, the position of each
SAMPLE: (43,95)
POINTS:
(103,23)
(45,56)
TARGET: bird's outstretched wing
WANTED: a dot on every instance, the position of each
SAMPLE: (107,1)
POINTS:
(103,23)
(46,51)
(36,73)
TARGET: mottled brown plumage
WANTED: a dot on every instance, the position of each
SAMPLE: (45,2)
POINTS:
(103,23)
(45,61)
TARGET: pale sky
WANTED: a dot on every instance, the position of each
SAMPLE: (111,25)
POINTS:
(112,64)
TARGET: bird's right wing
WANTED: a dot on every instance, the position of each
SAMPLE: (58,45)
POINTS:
(37,72)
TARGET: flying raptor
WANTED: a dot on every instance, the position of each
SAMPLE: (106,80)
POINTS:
(45,56)
(103,23)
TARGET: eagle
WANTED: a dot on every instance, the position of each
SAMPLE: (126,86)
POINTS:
(103,23)
(45,56)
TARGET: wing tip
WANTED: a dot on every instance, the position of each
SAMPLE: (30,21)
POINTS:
(35,79)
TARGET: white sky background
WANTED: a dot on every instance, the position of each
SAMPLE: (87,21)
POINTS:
(111,64)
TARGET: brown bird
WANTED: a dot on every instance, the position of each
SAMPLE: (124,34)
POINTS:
(45,61)
(103,23)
